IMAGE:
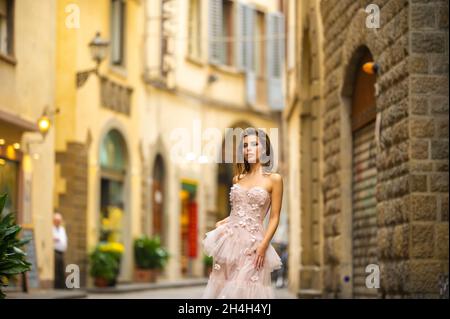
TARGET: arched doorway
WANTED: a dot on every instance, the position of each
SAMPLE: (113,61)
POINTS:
(364,174)
(113,183)
(158,198)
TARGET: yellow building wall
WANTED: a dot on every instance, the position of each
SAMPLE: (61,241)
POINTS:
(155,113)
(191,100)
(26,89)
(171,112)
(83,115)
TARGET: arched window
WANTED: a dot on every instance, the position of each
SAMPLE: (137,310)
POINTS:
(113,163)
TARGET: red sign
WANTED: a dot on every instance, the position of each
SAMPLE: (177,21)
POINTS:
(192,231)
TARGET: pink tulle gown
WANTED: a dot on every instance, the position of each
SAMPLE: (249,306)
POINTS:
(233,248)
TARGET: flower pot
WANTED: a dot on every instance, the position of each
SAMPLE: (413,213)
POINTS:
(145,275)
(101,282)
(207,270)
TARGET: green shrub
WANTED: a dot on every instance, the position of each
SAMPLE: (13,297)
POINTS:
(149,254)
(104,264)
(12,258)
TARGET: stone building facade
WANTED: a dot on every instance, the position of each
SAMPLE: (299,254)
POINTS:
(384,178)
(304,86)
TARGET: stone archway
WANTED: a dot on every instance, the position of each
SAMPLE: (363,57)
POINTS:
(158,197)
(362,232)
(114,202)
(358,43)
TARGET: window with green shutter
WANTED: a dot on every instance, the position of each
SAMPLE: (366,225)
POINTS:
(275,59)
(216,47)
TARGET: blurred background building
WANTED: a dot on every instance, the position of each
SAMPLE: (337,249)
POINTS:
(118,78)
(368,147)
(207,64)
(93,96)
(27,93)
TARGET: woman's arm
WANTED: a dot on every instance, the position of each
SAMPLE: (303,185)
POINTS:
(223,221)
(277,197)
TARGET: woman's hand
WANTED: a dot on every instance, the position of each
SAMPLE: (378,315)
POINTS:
(220,222)
(260,255)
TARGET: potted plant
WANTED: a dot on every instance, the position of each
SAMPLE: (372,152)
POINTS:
(208,263)
(12,258)
(105,263)
(149,257)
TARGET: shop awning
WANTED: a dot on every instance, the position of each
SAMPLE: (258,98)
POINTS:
(13,126)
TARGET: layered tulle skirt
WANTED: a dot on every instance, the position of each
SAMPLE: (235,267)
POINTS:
(234,275)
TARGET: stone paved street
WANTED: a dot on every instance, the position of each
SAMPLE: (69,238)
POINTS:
(193,292)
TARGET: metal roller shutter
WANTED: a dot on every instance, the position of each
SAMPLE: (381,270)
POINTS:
(364,208)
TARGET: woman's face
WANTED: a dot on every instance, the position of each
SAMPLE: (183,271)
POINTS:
(251,148)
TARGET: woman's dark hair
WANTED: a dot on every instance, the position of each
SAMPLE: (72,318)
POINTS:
(242,166)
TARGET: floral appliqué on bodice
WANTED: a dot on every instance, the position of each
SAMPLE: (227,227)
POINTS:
(248,208)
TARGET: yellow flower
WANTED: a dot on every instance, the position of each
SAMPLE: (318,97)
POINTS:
(4,280)
(106,224)
(115,217)
(113,224)
(113,247)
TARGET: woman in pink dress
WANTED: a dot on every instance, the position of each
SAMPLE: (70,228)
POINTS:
(243,257)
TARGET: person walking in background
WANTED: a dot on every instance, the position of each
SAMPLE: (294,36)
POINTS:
(60,246)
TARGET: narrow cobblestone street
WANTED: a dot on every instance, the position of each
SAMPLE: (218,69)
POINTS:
(194,292)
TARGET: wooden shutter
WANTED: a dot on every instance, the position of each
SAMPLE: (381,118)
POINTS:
(245,47)
(245,31)
(216,43)
(240,48)
(275,59)
(250,55)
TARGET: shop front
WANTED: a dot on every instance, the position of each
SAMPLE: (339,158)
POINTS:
(113,199)
(15,179)
(188,226)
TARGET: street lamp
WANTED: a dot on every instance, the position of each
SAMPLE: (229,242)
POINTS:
(44,124)
(99,50)
(371,67)
(45,121)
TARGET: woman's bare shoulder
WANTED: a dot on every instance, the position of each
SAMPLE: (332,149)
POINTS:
(276,179)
